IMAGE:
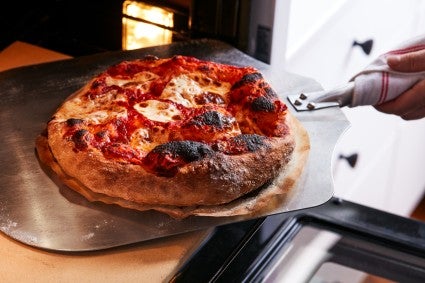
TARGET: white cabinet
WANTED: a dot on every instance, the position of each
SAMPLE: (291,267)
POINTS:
(374,142)
(408,176)
(327,54)
(390,172)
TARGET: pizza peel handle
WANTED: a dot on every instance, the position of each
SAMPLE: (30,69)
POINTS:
(375,84)
(338,97)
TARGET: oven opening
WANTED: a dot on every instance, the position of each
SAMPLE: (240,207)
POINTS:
(316,255)
(146,24)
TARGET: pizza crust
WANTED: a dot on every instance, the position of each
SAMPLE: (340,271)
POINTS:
(213,180)
(266,198)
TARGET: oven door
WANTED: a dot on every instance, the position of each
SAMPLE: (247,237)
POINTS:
(338,241)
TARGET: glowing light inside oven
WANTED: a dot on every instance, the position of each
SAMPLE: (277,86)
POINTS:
(138,34)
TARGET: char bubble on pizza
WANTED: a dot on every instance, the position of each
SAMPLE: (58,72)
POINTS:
(178,135)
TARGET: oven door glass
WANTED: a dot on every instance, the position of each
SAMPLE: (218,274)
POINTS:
(320,256)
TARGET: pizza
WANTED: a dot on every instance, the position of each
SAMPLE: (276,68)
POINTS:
(179,135)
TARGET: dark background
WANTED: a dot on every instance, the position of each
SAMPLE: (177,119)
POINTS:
(73,27)
(84,27)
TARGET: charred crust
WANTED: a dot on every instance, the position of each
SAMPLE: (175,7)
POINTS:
(270,93)
(80,139)
(263,104)
(73,121)
(101,134)
(187,150)
(150,57)
(263,84)
(211,118)
(209,97)
(252,142)
(204,68)
(95,84)
(247,79)
(176,58)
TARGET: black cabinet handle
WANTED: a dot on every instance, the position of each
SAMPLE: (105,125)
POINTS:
(351,159)
(366,46)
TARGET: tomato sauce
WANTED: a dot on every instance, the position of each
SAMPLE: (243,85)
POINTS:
(250,95)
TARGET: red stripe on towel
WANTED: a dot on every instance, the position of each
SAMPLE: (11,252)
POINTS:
(384,88)
(407,50)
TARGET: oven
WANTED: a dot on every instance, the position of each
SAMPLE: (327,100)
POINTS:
(247,25)
(80,28)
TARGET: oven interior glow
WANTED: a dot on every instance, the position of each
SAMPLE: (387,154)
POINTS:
(139,29)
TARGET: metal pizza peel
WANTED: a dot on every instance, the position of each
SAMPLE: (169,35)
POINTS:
(37,210)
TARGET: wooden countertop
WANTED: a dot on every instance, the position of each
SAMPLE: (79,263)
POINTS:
(151,261)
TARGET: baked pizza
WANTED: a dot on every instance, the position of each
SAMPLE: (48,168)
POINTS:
(179,135)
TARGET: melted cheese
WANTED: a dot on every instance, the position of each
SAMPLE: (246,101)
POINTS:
(98,111)
(140,140)
(104,107)
(183,89)
(158,110)
(139,78)
(208,85)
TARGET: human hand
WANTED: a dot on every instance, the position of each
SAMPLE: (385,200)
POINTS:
(410,105)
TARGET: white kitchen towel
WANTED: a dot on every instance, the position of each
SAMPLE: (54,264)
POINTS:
(378,83)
